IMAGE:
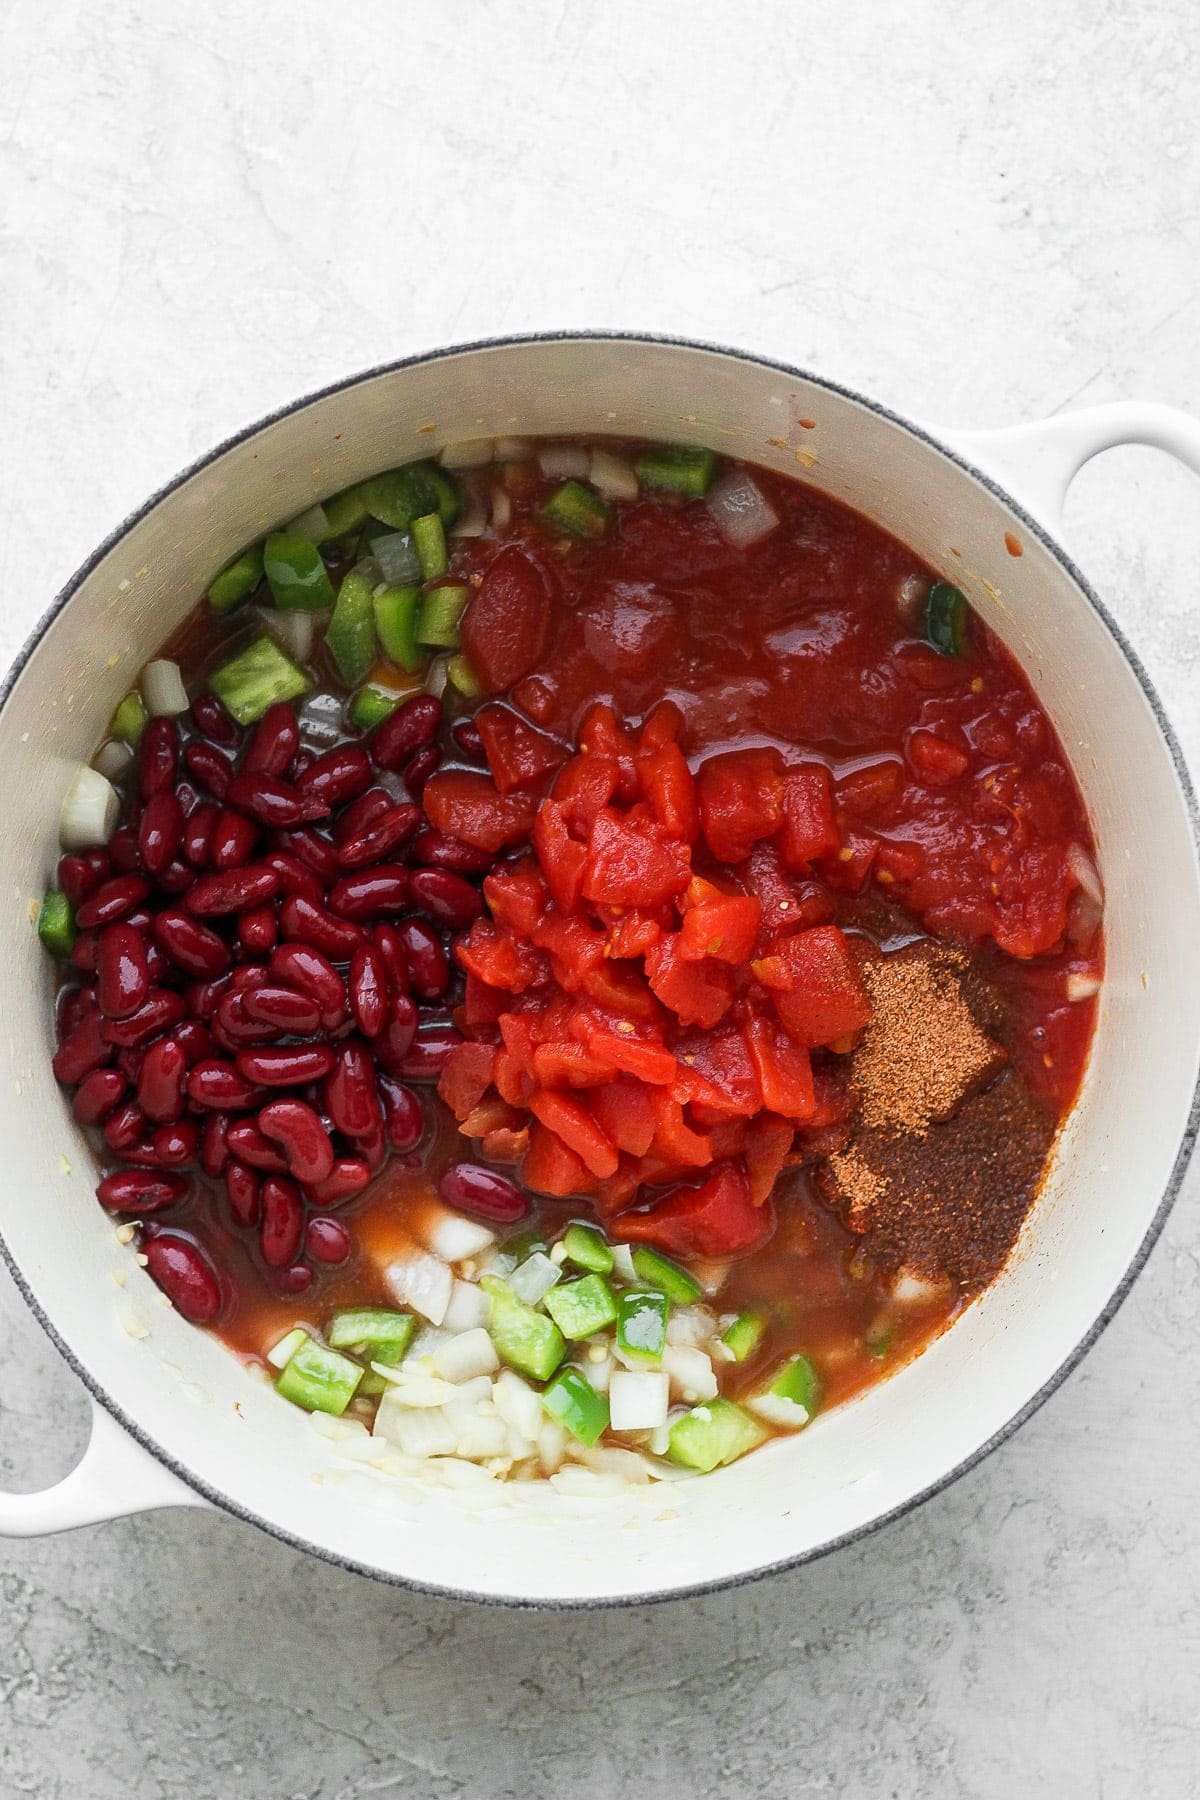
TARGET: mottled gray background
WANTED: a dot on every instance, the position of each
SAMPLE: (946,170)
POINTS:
(979,213)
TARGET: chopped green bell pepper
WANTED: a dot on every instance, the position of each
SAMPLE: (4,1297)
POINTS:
(642,1324)
(318,1379)
(658,1271)
(396,612)
(56,924)
(237,581)
(350,635)
(588,1248)
(429,542)
(528,1341)
(256,678)
(712,1434)
(441,609)
(578,510)
(677,469)
(371,706)
(946,619)
(298,579)
(743,1337)
(574,1402)
(582,1307)
(130,720)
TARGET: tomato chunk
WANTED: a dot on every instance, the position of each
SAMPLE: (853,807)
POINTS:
(671,792)
(720,925)
(467,1077)
(504,628)
(624,1111)
(468,805)
(815,985)
(519,755)
(698,993)
(632,861)
(715,1219)
(549,1167)
(768,1144)
(741,801)
(574,1125)
(808,828)
(783,1068)
(562,859)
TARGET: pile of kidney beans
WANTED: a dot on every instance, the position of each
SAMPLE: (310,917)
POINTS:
(263,969)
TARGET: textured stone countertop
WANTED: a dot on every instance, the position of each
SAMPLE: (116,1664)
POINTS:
(978,214)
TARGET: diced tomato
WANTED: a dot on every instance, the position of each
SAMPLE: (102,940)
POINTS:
(741,801)
(698,993)
(504,628)
(715,1219)
(671,792)
(632,861)
(584,786)
(602,735)
(468,805)
(493,954)
(507,1144)
(562,859)
(521,1034)
(866,791)
(549,1167)
(724,926)
(675,1142)
(935,759)
(650,1063)
(897,860)
(467,1077)
(850,870)
(492,1114)
(664,725)
(623,990)
(482,1005)
(808,828)
(514,1082)
(570,1121)
(784,1070)
(769,1142)
(633,934)
(519,755)
(815,985)
(575,947)
(716,1067)
(569,1065)
(625,1113)
(517,895)
(619,1189)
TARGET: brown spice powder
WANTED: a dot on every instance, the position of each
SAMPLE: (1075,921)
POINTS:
(923,1051)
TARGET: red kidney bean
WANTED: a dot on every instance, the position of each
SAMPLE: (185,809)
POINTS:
(175,1144)
(233,839)
(337,776)
(286,1065)
(198,831)
(97,1095)
(158,757)
(161,1084)
(446,897)
(214,1144)
(465,733)
(194,1039)
(300,764)
(390,944)
(282,1226)
(158,966)
(83,1049)
(395,1040)
(301,966)
(74,1005)
(361,813)
(248,975)
(483,1194)
(123,851)
(248,1144)
(327,1240)
(303,922)
(369,992)
(437,851)
(349,1176)
(294,878)
(210,770)
(429,1053)
(232,891)
(193,947)
(274,742)
(372,1147)
(203,997)
(122,971)
(78,879)
(258,930)
(176,878)
(234,1028)
(309,848)
(242,1190)
(384,835)
(428,965)
(284,1009)
(186,1274)
(350,1094)
(273,802)
(163,1009)
(142,919)
(130,1064)
(383,889)
(212,1082)
(403,1114)
(293,1281)
(85,952)
(420,767)
(112,900)
(213,722)
(297,1129)
(140,1190)
(409,728)
(124,1127)
(161,831)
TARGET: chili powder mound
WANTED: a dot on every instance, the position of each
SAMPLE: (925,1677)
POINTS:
(922,1052)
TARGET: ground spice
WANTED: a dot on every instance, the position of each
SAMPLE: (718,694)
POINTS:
(923,1051)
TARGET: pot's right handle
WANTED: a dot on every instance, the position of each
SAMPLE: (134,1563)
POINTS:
(1038,462)
(112,1478)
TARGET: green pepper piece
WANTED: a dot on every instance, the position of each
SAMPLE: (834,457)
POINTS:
(677,469)
(298,578)
(345,512)
(130,720)
(56,924)
(658,1271)
(318,1379)
(743,1337)
(441,610)
(374,1327)
(350,634)
(429,542)
(798,1382)
(399,496)
(371,706)
(576,1405)
(463,678)
(256,678)
(588,1248)
(396,613)
(580,1308)
(642,1324)
(712,1434)
(237,581)
(528,1341)
(578,510)
(946,619)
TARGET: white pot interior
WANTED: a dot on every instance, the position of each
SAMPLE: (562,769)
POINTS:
(231,1434)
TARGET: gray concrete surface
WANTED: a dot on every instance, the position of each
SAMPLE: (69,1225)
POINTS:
(979,213)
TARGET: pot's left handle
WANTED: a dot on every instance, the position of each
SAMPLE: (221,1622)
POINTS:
(114,1477)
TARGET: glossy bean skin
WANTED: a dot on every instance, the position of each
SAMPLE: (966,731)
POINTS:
(362,813)
(286,1065)
(79,876)
(393,1043)
(243,1190)
(282,1228)
(158,757)
(412,726)
(235,1028)
(122,971)
(112,900)
(160,832)
(337,776)
(465,734)
(364,896)
(194,1039)
(284,1008)
(310,848)
(124,1127)
(304,967)
(209,768)
(420,767)
(97,1095)
(214,1144)
(434,850)
(193,947)
(198,832)
(429,1053)
(140,1191)
(294,878)
(258,930)
(186,1274)
(174,1145)
(303,1139)
(247,1143)
(296,1279)
(213,722)
(273,802)
(83,1048)
(351,1097)
(232,891)
(304,923)
(429,967)
(274,741)
(446,897)
(389,942)
(403,1115)
(385,834)
(349,1176)
(483,1194)
(162,1082)
(163,1008)
(370,994)
(327,1240)
(123,851)
(213,1082)
(233,840)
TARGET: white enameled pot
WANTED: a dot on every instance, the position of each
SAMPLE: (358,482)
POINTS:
(179,1421)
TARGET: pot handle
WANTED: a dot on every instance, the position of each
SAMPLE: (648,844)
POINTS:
(114,1477)
(1040,461)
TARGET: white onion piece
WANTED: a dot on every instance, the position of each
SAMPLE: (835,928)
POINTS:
(517,1404)
(312,524)
(469,1306)
(280,1354)
(690,1373)
(638,1399)
(294,630)
(476,454)
(568,461)
(513,449)
(472,520)
(454,1237)
(469,1354)
(1082,987)
(163,690)
(578,1483)
(534,1278)
(481,1438)
(915,1290)
(89,811)
(776,1409)
(437,676)
(551,1444)
(612,475)
(742,513)
(112,759)
(501,508)
(691,1325)
(427,1433)
(397,558)
(320,717)
(424,1283)
(1085,872)
(607,1459)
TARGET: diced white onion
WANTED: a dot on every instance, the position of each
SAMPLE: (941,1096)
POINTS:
(501,508)
(472,520)
(776,1409)
(513,449)
(742,513)
(1085,872)
(337,1430)
(163,690)
(660,1439)
(89,811)
(534,1277)
(320,715)
(600,1373)
(427,1433)
(469,1306)
(638,1399)
(294,630)
(420,1388)
(312,524)
(112,759)
(482,1437)
(454,1237)
(517,1404)
(691,1373)
(469,1354)
(1082,987)
(579,1483)
(915,1290)
(397,558)
(551,1444)
(437,676)
(424,1283)
(281,1353)
(623,1263)
(612,475)
(475,454)
(566,461)
(692,1325)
